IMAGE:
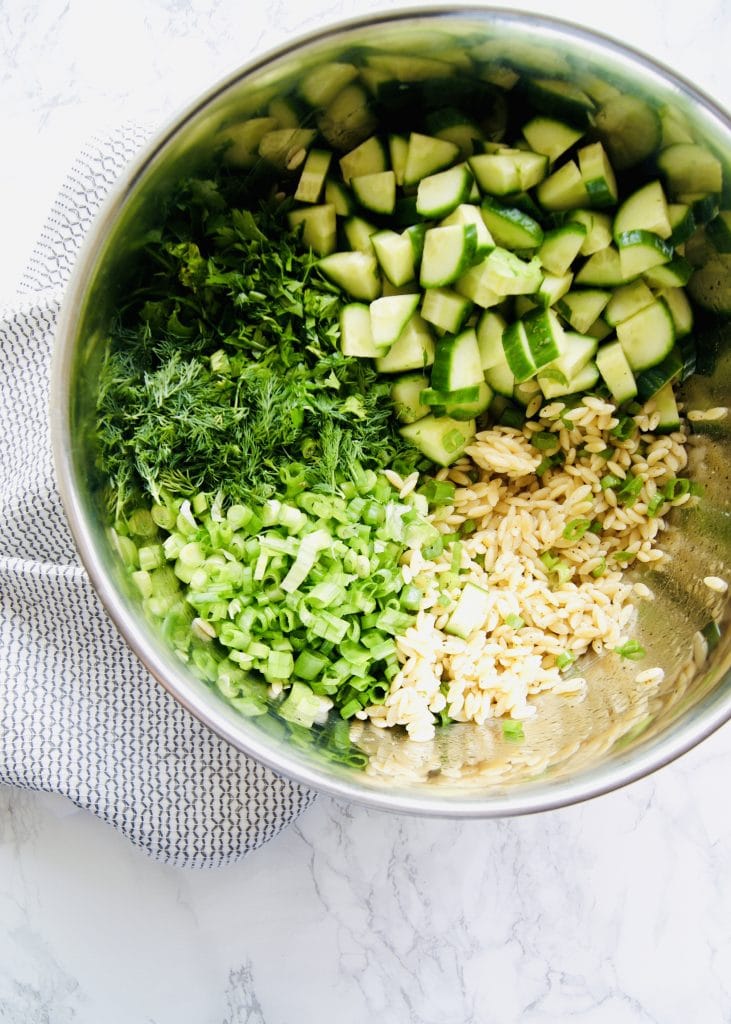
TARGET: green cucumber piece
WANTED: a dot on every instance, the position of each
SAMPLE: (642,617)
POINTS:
(582,308)
(314,173)
(688,167)
(553,287)
(508,274)
(518,355)
(640,251)
(340,196)
(367,158)
(406,397)
(645,210)
(441,438)
(629,128)
(584,380)
(602,270)
(283,146)
(457,362)
(501,378)
(413,350)
(358,233)
(564,189)
(626,301)
(598,229)
(616,372)
(682,222)
(550,137)
(375,192)
(398,149)
(469,409)
(348,120)
(667,408)
(389,316)
(470,612)
(319,227)
(509,226)
(597,175)
(242,140)
(356,336)
(561,246)
(448,253)
(545,336)
(680,310)
(674,274)
(468,213)
(426,155)
(439,194)
(648,336)
(558,98)
(355,272)
(320,86)
(395,254)
(655,378)
(489,332)
(446,309)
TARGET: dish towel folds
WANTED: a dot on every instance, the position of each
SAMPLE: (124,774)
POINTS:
(79,715)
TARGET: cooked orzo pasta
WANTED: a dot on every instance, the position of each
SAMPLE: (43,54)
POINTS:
(545,521)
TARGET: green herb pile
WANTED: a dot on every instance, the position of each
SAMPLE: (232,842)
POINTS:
(224,370)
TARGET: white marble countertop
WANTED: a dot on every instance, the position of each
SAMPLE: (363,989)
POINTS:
(613,912)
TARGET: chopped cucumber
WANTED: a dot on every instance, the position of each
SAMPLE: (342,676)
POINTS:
(395,254)
(490,329)
(616,372)
(640,251)
(597,175)
(564,189)
(389,316)
(561,246)
(356,336)
(550,137)
(375,192)
(471,611)
(413,350)
(448,253)
(367,158)
(355,272)
(468,213)
(645,210)
(626,301)
(426,155)
(441,438)
(687,167)
(457,362)
(629,128)
(319,227)
(446,309)
(510,227)
(648,336)
(314,173)
(598,230)
(439,194)
(582,308)
(406,397)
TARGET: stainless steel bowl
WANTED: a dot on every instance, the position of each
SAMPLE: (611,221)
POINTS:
(622,731)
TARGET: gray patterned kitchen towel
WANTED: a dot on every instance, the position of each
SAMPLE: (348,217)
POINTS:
(79,715)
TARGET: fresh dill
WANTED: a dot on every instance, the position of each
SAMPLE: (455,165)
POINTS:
(224,365)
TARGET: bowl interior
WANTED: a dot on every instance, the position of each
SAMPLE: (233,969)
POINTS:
(571,749)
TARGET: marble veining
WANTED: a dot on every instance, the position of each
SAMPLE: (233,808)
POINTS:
(612,912)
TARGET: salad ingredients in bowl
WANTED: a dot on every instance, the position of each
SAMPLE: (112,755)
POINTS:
(395,415)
